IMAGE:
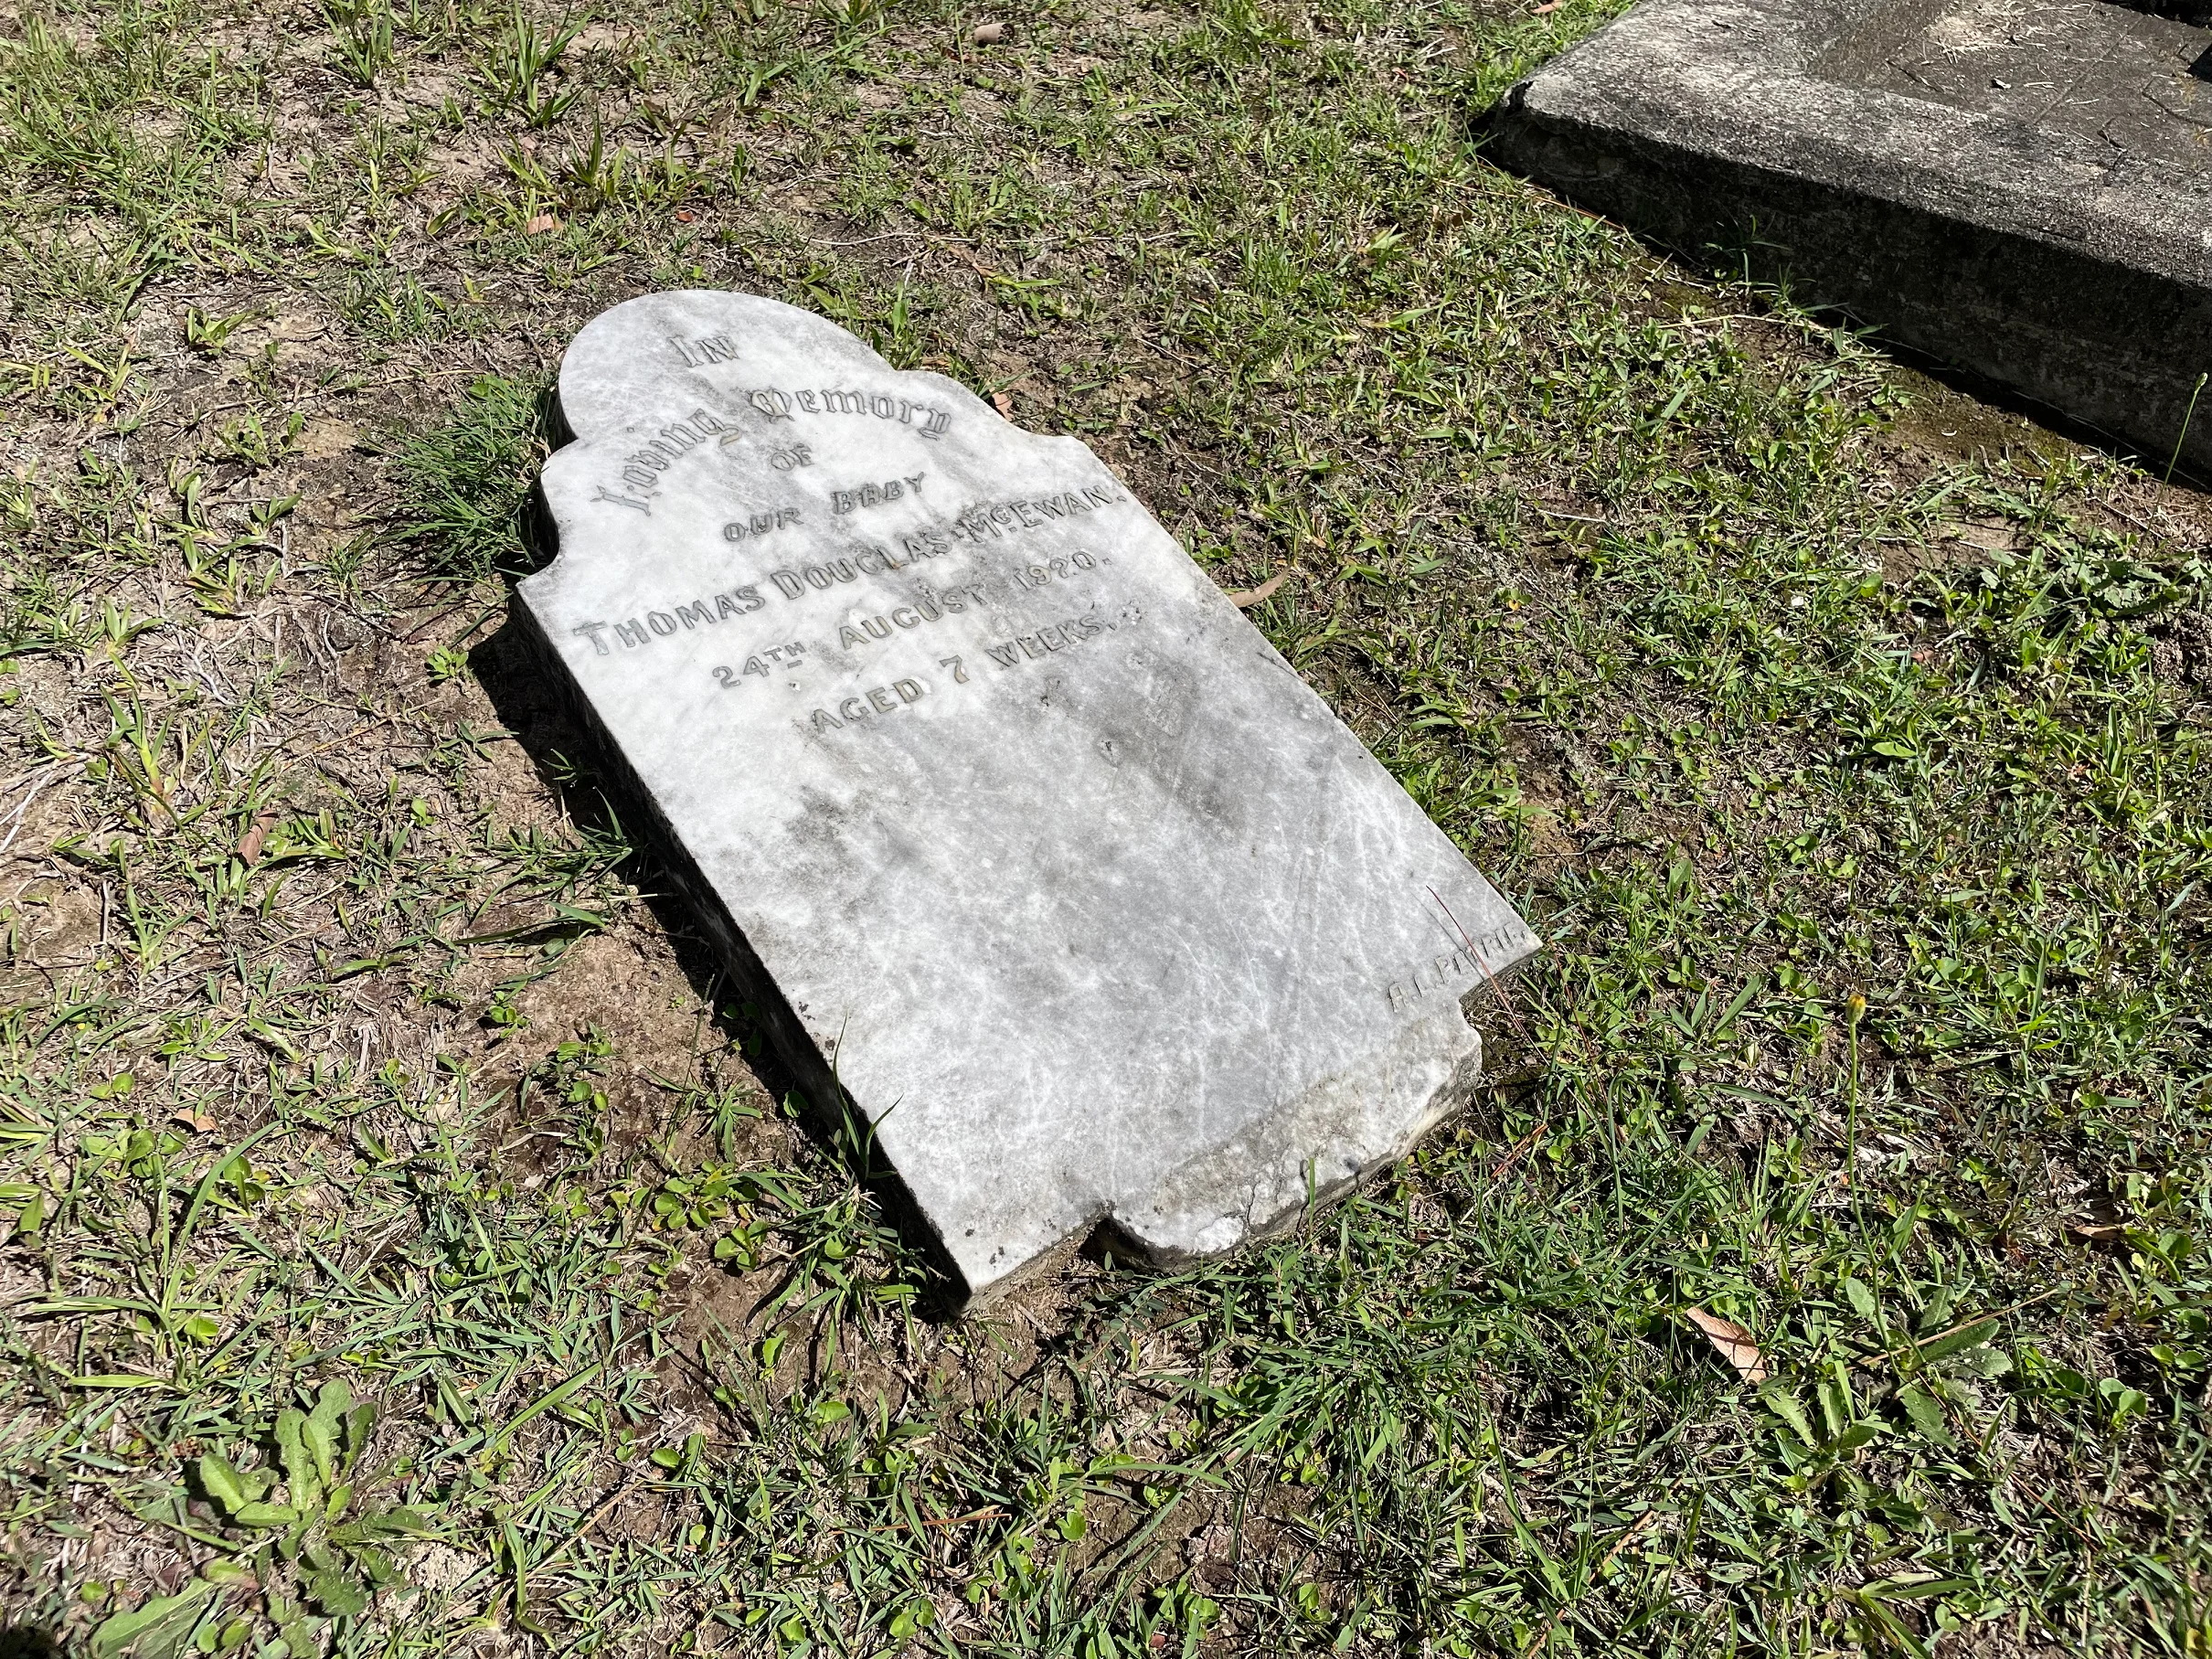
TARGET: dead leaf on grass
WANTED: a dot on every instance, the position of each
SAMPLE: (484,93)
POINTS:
(989,34)
(198,1123)
(541,224)
(1259,595)
(2095,1232)
(249,844)
(1732,1343)
(1003,404)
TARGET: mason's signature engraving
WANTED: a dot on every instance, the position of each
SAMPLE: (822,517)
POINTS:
(777,404)
(1449,973)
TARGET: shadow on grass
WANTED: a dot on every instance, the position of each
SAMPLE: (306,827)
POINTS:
(473,511)
(575,760)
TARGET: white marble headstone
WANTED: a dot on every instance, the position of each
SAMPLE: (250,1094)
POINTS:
(1066,880)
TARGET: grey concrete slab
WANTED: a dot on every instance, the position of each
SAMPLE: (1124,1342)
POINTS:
(2021,187)
(1034,850)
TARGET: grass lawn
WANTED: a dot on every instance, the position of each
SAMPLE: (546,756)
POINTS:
(408,1249)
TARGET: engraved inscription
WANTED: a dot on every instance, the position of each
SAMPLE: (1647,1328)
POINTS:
(873,495)
(775,404)
(635,632)
(933,605)
(707,348)
(1039,576)
(867,704)
(868,561)
(763,663)
(791,582)
(645,469)
(889,616)
(758,524)
(1012,517)
(1052,637)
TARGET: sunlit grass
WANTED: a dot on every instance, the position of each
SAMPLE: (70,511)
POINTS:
(355,1060)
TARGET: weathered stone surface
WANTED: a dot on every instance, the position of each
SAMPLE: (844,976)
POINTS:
(2023,188)
(1024,836)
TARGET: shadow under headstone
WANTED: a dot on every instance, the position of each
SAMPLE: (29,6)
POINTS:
(574,766)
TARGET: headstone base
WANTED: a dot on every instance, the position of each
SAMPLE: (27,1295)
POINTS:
(2019,188)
